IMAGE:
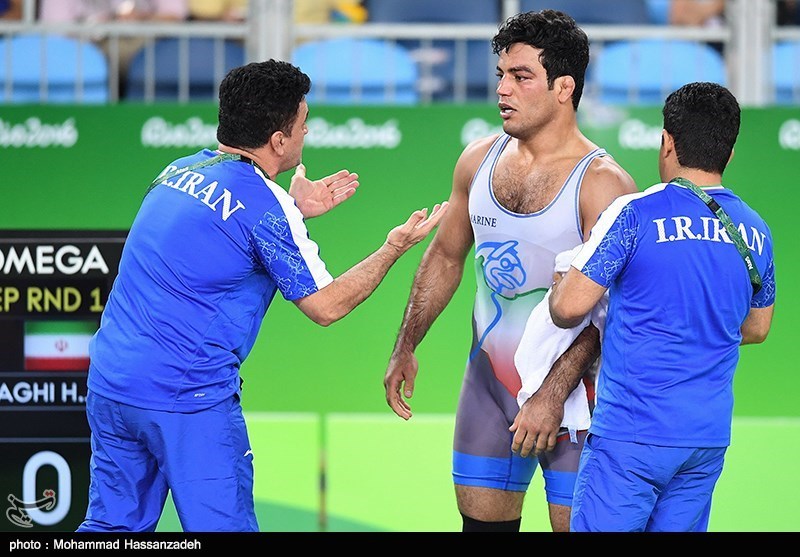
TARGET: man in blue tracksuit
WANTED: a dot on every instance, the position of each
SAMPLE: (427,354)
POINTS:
(213,242)
(682,298)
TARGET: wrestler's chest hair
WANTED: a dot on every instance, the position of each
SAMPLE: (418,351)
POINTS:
(528,189)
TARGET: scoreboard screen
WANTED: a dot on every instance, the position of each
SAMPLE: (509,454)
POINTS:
(53,287)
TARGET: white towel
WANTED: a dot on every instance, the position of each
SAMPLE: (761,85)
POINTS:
(542,343)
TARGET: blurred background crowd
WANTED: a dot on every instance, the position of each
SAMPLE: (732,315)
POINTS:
(385,51)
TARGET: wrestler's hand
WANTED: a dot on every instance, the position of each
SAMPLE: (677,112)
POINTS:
(399,382)
(316,197)
(536,425)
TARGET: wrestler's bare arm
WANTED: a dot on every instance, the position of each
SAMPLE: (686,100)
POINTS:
(605,180)
(436,280)
(538,422)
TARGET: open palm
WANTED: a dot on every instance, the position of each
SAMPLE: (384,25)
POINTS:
(316,197)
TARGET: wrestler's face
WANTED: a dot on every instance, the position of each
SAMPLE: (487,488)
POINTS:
(525,100)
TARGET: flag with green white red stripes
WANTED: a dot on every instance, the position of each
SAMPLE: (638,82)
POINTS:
(58,345)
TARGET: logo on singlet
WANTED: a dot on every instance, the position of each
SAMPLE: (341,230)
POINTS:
(480,220)
(503,273)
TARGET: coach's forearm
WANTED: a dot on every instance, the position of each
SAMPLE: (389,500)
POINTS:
(351,288)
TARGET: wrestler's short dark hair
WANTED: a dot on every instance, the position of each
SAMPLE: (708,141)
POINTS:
(564,45)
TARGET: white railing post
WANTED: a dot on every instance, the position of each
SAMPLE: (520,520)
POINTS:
(271,23)
(749,65)
(510,7)
(29,11)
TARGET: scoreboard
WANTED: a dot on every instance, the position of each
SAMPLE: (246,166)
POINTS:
(53,287)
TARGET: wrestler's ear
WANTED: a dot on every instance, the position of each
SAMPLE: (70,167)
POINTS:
(564,87)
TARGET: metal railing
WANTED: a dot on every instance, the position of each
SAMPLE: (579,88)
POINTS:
(270,32)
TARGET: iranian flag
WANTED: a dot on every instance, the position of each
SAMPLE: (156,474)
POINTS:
(58,345)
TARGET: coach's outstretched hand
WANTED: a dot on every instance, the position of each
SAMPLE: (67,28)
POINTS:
(416,228)
(317,197)
(329,304)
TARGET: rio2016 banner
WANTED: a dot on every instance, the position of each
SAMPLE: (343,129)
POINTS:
(82,167)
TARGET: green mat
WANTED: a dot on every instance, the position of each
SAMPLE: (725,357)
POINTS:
(384,474)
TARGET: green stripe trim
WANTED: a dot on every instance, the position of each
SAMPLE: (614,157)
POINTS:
(60,327)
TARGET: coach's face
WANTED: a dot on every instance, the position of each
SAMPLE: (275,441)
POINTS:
(667,159)
(292,143)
